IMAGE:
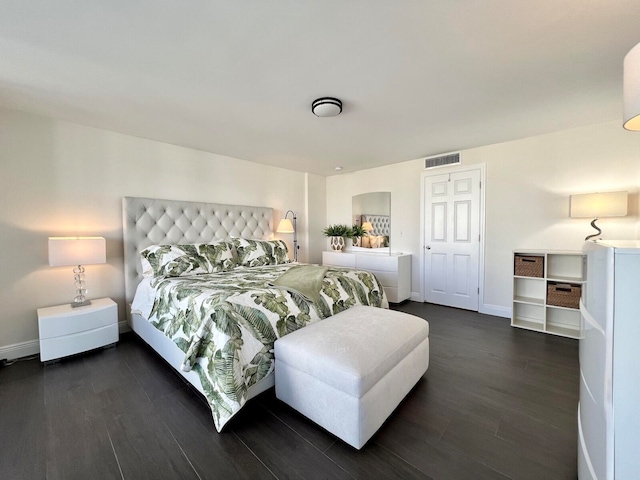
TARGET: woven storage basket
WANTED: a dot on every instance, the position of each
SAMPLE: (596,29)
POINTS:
(563,295)
(528,266)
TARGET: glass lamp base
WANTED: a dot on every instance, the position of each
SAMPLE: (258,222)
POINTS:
(80,304)
(80,301)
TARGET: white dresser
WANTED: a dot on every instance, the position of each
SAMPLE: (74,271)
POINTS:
(393,271)
(608,419)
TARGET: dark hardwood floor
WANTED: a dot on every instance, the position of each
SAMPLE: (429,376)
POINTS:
(496,403)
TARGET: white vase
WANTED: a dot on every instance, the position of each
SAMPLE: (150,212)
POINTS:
(337,243)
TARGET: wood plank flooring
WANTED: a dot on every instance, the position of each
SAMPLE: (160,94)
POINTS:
(496,403)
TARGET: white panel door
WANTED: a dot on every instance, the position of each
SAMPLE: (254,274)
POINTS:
(452,239)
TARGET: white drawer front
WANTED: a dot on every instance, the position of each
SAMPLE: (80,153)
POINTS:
(339,259)
(77,321)
(52,348)
(392,295)
(377,262)
(593,429)
(387,279)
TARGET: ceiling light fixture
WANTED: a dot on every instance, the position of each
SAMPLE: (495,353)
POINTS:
(326,107)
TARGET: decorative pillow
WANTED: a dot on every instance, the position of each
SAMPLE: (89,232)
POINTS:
(220,255)
(182,260)
(253,253)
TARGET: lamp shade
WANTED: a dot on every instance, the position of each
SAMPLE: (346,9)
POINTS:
(367,227)
(285,226)
(631,87)
(65,251)
(595,205)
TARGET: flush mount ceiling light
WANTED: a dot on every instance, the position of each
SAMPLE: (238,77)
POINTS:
(326,107)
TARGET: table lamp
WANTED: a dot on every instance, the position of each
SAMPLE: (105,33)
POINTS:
(77,251)
(597,205)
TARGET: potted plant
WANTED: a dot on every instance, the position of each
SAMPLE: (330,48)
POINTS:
(357,232)
(337,233)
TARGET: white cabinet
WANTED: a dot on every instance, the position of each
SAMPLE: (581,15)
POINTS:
(393,271)
(608,420)
(66,331)
(534,297)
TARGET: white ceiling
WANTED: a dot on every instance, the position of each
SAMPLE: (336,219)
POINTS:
(237,78)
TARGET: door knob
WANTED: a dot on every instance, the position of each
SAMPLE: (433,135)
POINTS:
(428,247)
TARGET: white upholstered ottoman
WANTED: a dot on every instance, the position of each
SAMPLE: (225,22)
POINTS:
(348,372)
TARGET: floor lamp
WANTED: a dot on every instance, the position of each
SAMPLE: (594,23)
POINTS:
(285,226)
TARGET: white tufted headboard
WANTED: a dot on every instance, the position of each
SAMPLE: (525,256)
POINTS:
(381,224)
(149,221)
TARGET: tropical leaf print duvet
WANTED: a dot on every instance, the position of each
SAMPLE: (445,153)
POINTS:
(226,323)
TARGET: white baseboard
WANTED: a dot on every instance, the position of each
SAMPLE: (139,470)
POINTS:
(495,310)
(485,309)
(19,350)
(32,347)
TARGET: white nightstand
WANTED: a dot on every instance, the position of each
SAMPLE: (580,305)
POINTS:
(66,331)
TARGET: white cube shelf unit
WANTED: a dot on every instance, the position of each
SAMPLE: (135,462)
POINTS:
(531,309)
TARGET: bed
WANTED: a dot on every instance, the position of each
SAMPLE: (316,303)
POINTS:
(217,327)
(378,235)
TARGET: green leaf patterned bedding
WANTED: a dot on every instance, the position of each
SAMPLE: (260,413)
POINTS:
(226,323)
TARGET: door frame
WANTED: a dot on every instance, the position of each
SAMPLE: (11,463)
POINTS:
(423,244)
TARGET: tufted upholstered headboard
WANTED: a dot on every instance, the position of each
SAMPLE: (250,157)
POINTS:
(381,224)
(149,221)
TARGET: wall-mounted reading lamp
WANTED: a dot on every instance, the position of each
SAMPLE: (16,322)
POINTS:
(285,226)
(597,205)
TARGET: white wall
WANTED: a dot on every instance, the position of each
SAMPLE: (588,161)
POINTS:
(316,210)
(58,178)
(528,183)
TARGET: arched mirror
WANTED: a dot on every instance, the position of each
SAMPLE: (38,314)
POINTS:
(372,211)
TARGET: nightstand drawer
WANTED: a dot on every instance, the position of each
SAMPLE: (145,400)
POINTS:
(52,348)
(64,320)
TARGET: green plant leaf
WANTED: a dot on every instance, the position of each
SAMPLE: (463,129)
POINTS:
(338,230)
(256,322)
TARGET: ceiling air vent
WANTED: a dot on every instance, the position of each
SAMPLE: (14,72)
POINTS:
(442,160)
